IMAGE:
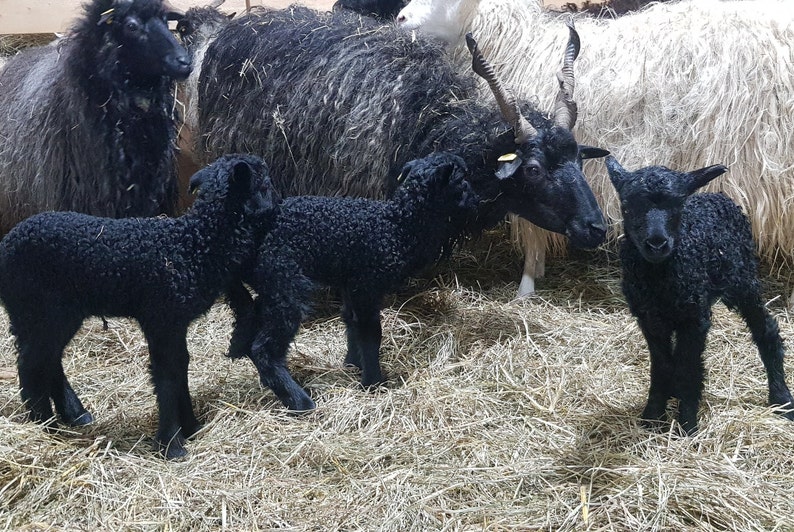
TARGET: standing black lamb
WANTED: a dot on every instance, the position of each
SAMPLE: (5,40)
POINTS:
(336,104)
(58,268)
(88,123)
(680,254)
(366,249)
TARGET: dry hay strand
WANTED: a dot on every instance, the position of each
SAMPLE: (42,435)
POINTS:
(498,414)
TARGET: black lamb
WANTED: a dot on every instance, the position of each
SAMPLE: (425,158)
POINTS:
(58,268)
(88,123)
(680,254)
(366,249)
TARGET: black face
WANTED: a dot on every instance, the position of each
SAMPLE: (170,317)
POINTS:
(652,200)
(149,47)
(652,219)
(545,185)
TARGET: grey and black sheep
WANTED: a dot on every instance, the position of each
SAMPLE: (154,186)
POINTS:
(366,249)
(336,104)
(680,254)
(88,123)
(58,268)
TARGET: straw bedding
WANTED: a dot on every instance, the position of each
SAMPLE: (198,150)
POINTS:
(498,415)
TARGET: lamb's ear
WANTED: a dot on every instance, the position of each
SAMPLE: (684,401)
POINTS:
(617,174)
(241,177)
(701,177)
(195,181)
(591,152)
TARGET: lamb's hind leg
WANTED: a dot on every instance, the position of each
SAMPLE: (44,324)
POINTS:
(279,311)
(766,336)
(364,334)
(41,375)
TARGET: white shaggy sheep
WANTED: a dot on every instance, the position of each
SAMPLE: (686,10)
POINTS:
(680,84)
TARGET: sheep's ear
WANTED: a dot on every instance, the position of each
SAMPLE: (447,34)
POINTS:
(591,152)
(241,175)
(701,177)
(617,174)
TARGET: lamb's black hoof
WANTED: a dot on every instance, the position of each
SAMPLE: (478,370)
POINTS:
(172,450)
(300,404)
(83,419)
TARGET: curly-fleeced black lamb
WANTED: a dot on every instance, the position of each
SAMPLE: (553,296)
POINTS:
(58,268)
(336,104)
(680,254)
(88,123)
(382,10)
(365,248)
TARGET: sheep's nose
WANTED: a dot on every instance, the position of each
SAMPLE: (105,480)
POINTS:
(401,19)
(657,244)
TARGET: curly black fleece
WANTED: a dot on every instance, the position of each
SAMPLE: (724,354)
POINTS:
(58,268)
(365,248)
(712,257)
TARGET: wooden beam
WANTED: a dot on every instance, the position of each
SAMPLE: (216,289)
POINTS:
(56,16)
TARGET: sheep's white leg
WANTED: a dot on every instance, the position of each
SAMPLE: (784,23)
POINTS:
(534,268)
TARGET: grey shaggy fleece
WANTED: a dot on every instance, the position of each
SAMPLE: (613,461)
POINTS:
(87,124)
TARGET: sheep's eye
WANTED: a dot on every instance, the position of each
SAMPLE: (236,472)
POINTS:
(533,171)
(132,26)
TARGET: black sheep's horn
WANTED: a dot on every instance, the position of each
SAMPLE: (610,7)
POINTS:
(507,103)
(565,110)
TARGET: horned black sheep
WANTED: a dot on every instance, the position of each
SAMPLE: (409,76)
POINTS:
(336,104)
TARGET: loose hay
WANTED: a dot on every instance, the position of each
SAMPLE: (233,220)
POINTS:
(498,415)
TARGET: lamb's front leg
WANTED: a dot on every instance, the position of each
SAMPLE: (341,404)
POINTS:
(169,364)
(362,318)
(658,336)
(689,372)
(242,304)
(279,311)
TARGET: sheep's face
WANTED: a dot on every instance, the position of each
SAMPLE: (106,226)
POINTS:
(543,182)
(147,48)
(442,19)
(198,25)
(652,201)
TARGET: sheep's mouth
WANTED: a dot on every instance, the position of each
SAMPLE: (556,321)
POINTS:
(591,236)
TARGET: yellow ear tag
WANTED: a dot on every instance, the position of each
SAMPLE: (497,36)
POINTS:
(507,157)
(106,16)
